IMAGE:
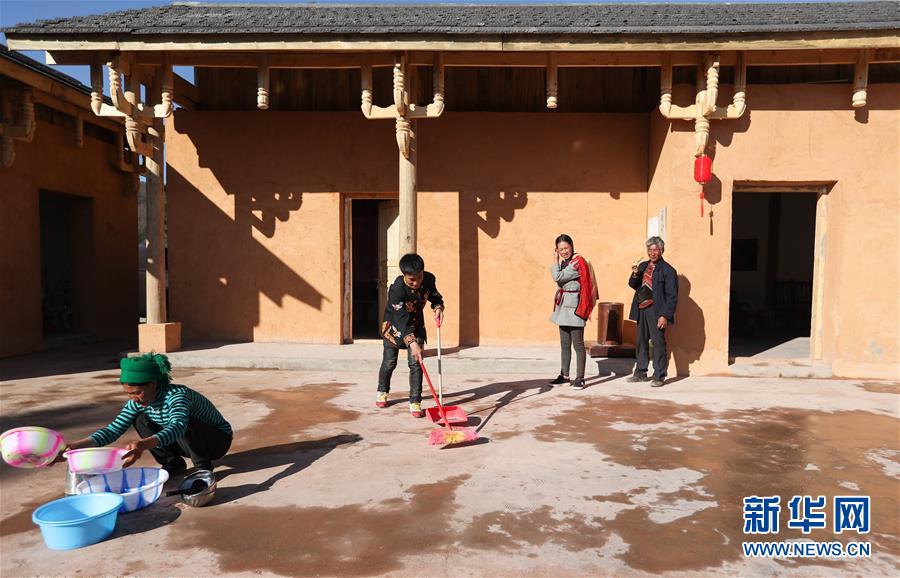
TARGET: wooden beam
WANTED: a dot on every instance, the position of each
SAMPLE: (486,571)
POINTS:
(814,57)
(156,220)
(186,94)
(347,60)
(407,194)
(782,186)
(488,42)
(49,91)
(50,101)
(78,57)
(712,43)
(275,60)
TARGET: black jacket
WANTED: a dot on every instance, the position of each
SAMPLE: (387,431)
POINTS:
(665,290)
(403,319)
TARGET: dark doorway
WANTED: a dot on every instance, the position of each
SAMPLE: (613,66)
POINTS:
(365,269)
(772,256)
(375,242)
(67,266)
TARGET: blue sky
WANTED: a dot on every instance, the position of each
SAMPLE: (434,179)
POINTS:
(17,11)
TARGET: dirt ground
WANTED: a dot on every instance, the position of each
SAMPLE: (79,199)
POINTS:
(615,480)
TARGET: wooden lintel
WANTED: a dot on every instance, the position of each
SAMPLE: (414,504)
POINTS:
(787,186)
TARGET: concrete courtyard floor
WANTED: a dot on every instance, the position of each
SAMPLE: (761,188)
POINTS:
(615,480)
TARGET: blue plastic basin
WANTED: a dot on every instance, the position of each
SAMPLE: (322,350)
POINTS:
(78,521)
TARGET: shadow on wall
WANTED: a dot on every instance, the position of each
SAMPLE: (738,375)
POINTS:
(496,206)
(271,207)
(268,163)
(224,270)
(688,335)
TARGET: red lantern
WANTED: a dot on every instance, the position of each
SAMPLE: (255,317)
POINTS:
(702,169)
(702,174)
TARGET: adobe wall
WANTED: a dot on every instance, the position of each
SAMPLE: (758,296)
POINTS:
(791,134)
(255,216)
(52,162)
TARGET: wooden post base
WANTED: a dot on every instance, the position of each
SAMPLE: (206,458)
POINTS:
(159,337)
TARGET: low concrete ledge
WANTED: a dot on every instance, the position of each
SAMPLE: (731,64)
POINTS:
(366,358)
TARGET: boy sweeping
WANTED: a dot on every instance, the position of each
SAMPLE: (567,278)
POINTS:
(404,327)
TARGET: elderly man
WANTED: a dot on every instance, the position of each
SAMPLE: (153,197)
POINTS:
(655,285)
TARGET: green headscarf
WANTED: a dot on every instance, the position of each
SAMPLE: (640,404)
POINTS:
(147,367)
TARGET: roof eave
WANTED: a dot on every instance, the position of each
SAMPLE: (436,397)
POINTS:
(845,39)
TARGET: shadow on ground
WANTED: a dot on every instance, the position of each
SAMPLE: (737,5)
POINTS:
(63,361)
(511,391)
(295,456)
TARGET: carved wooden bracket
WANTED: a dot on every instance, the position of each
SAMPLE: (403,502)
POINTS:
(10,130)
(126,101)
(404,135)
(861,79)
(402,107)
(262,83)
(552,81)
(402,110)
(705,108)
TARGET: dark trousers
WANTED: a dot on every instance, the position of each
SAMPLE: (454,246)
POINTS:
(389,364)
(648,331)
(569,337)
(202,442)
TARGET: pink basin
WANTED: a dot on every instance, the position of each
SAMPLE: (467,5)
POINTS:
(95,460)
(31,447)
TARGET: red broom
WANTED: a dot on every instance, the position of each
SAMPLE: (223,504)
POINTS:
(443,437)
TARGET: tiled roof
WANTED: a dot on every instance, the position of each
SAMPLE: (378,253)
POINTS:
(41,68)
(641,18)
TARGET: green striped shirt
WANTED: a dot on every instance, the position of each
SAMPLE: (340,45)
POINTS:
(174,407)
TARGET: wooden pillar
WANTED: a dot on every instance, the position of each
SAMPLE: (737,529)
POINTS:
(156,227)
(406,132)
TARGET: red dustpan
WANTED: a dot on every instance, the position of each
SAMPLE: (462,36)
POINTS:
(455,414)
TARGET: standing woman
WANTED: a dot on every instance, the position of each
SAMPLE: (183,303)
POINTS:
(572,306)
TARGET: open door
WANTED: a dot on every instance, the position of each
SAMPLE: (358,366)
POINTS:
(374,229)
(773,260)
(388,249)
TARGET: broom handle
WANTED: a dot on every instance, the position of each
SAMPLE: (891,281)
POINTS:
(440,373)
(434,395)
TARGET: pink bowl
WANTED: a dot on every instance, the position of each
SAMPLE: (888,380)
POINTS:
(95,460)
(30,447)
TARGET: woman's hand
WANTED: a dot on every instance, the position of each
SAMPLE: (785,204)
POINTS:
(59,457)
(136,449)
(133,454)
(661,322)
(438,316)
